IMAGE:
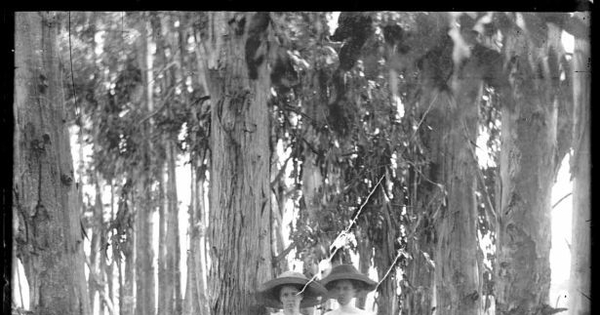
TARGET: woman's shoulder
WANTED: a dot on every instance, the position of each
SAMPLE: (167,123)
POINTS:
(356,311)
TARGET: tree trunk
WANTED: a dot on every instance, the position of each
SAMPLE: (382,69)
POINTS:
(456,273)
(96,277)
(528,161)
(165,287)
(173,229)
(163,207)
(127,281)
(145,287)
(173,252)
(240,211)
(580,284)
(110,270)
(195,297)
(46,197)
(447,221)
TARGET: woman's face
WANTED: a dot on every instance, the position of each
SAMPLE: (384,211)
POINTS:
(344,291)
(289,297)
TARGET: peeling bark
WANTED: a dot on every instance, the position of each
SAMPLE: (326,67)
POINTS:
(49,239)
(528,162)
(240,206)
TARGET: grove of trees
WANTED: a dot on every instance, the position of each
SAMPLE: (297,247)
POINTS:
(421,146)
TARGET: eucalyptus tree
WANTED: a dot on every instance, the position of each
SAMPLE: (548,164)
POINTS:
(240,207)
(46,210)
(533,145)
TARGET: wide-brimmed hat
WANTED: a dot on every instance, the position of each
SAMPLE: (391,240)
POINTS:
(348,272)
(268,292)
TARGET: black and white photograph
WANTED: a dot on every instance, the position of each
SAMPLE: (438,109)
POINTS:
(233,162)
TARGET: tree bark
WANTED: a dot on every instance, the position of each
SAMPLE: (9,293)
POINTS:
(580,283)
(240,211)
(528,162)
(50,238)
(457,276)
(448,221)
(195,297)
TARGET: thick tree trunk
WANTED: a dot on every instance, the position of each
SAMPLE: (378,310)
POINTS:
(46,197)
(528,161)
(457,276)
(240,211)
(580,284)
(448,225)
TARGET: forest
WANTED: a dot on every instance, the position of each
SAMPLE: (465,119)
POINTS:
(169,162)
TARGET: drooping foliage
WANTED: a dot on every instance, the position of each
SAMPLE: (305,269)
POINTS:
(359,117)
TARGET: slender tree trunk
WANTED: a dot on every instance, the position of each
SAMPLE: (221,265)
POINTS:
(173,199)
(165,288)
(126,292)
(528,161)
(580,284)
(145,287)
(110,270)
(46,196)
(96,277)
(239,193)
(190,304)
(162,242)
(196,300)
(173,254)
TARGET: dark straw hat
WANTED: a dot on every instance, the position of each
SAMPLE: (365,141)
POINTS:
(348,272)
(268,292)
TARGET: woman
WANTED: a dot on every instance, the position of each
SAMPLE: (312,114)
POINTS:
(344,284)
(291,291)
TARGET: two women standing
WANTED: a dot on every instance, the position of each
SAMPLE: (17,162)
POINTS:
(291,291)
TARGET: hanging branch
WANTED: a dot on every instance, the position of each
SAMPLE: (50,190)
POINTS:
(343,234)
